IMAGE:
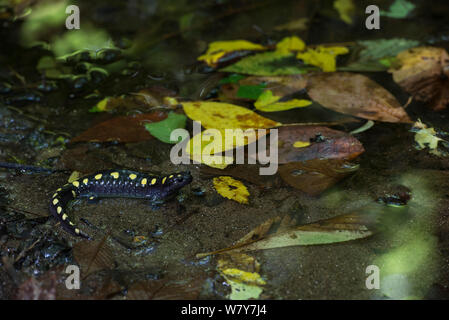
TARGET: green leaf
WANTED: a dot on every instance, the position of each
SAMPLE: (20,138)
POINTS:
(399,9)
(233,78)
(162,129)
(251,91)
(268,64)
(375,54)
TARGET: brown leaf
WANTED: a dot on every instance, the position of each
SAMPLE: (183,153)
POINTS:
(93,256)
(121,129)
(356,95)
(315,176)
(423,72)
(324,143)
(338,229)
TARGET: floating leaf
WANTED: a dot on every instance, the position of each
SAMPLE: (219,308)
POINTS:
(218,49)
(231,189)
(269,103)
(218,115)
(399,9)
(356,95)
(121,129)
(162,129)
(267,64)
(315,176)
(423,72)
(322,57)
(338,229)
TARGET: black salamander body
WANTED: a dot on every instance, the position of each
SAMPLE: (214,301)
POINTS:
(114,184)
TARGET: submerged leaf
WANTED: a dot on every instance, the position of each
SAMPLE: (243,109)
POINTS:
(346,9)
(338,229)
(399,9)
(93,256)
(121,129)
(231,189)
(356,95)
(315,176)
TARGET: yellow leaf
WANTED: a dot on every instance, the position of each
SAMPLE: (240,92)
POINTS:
(323,57)
(218,49)
(267,102)
(288,44)
(231,189)
(426,137)
(301,144)
(220,115)
(241,272)
(346,9)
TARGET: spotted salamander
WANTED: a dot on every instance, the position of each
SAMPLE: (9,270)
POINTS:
(114,184)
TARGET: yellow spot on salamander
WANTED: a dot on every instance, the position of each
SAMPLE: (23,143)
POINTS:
(71,223)
(59,210)
(98,176)
(77,231)
(132,176)
(74,193)
(55,201)
(171,176)
(64,216)
(76,183)
(153,181)
(85,181)
(163,180)
(59,189)
(115,175)
(91,198)
(144,181)
(55,195)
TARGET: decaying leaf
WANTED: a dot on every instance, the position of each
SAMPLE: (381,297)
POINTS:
(121,129)
(423,72)
(426,137)
(241,272)
(338,229)
(231,189)
(315,176)
(93,256)
(356,95)
(323,143)
(217,115)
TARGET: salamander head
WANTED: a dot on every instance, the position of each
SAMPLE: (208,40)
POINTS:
(176,181)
